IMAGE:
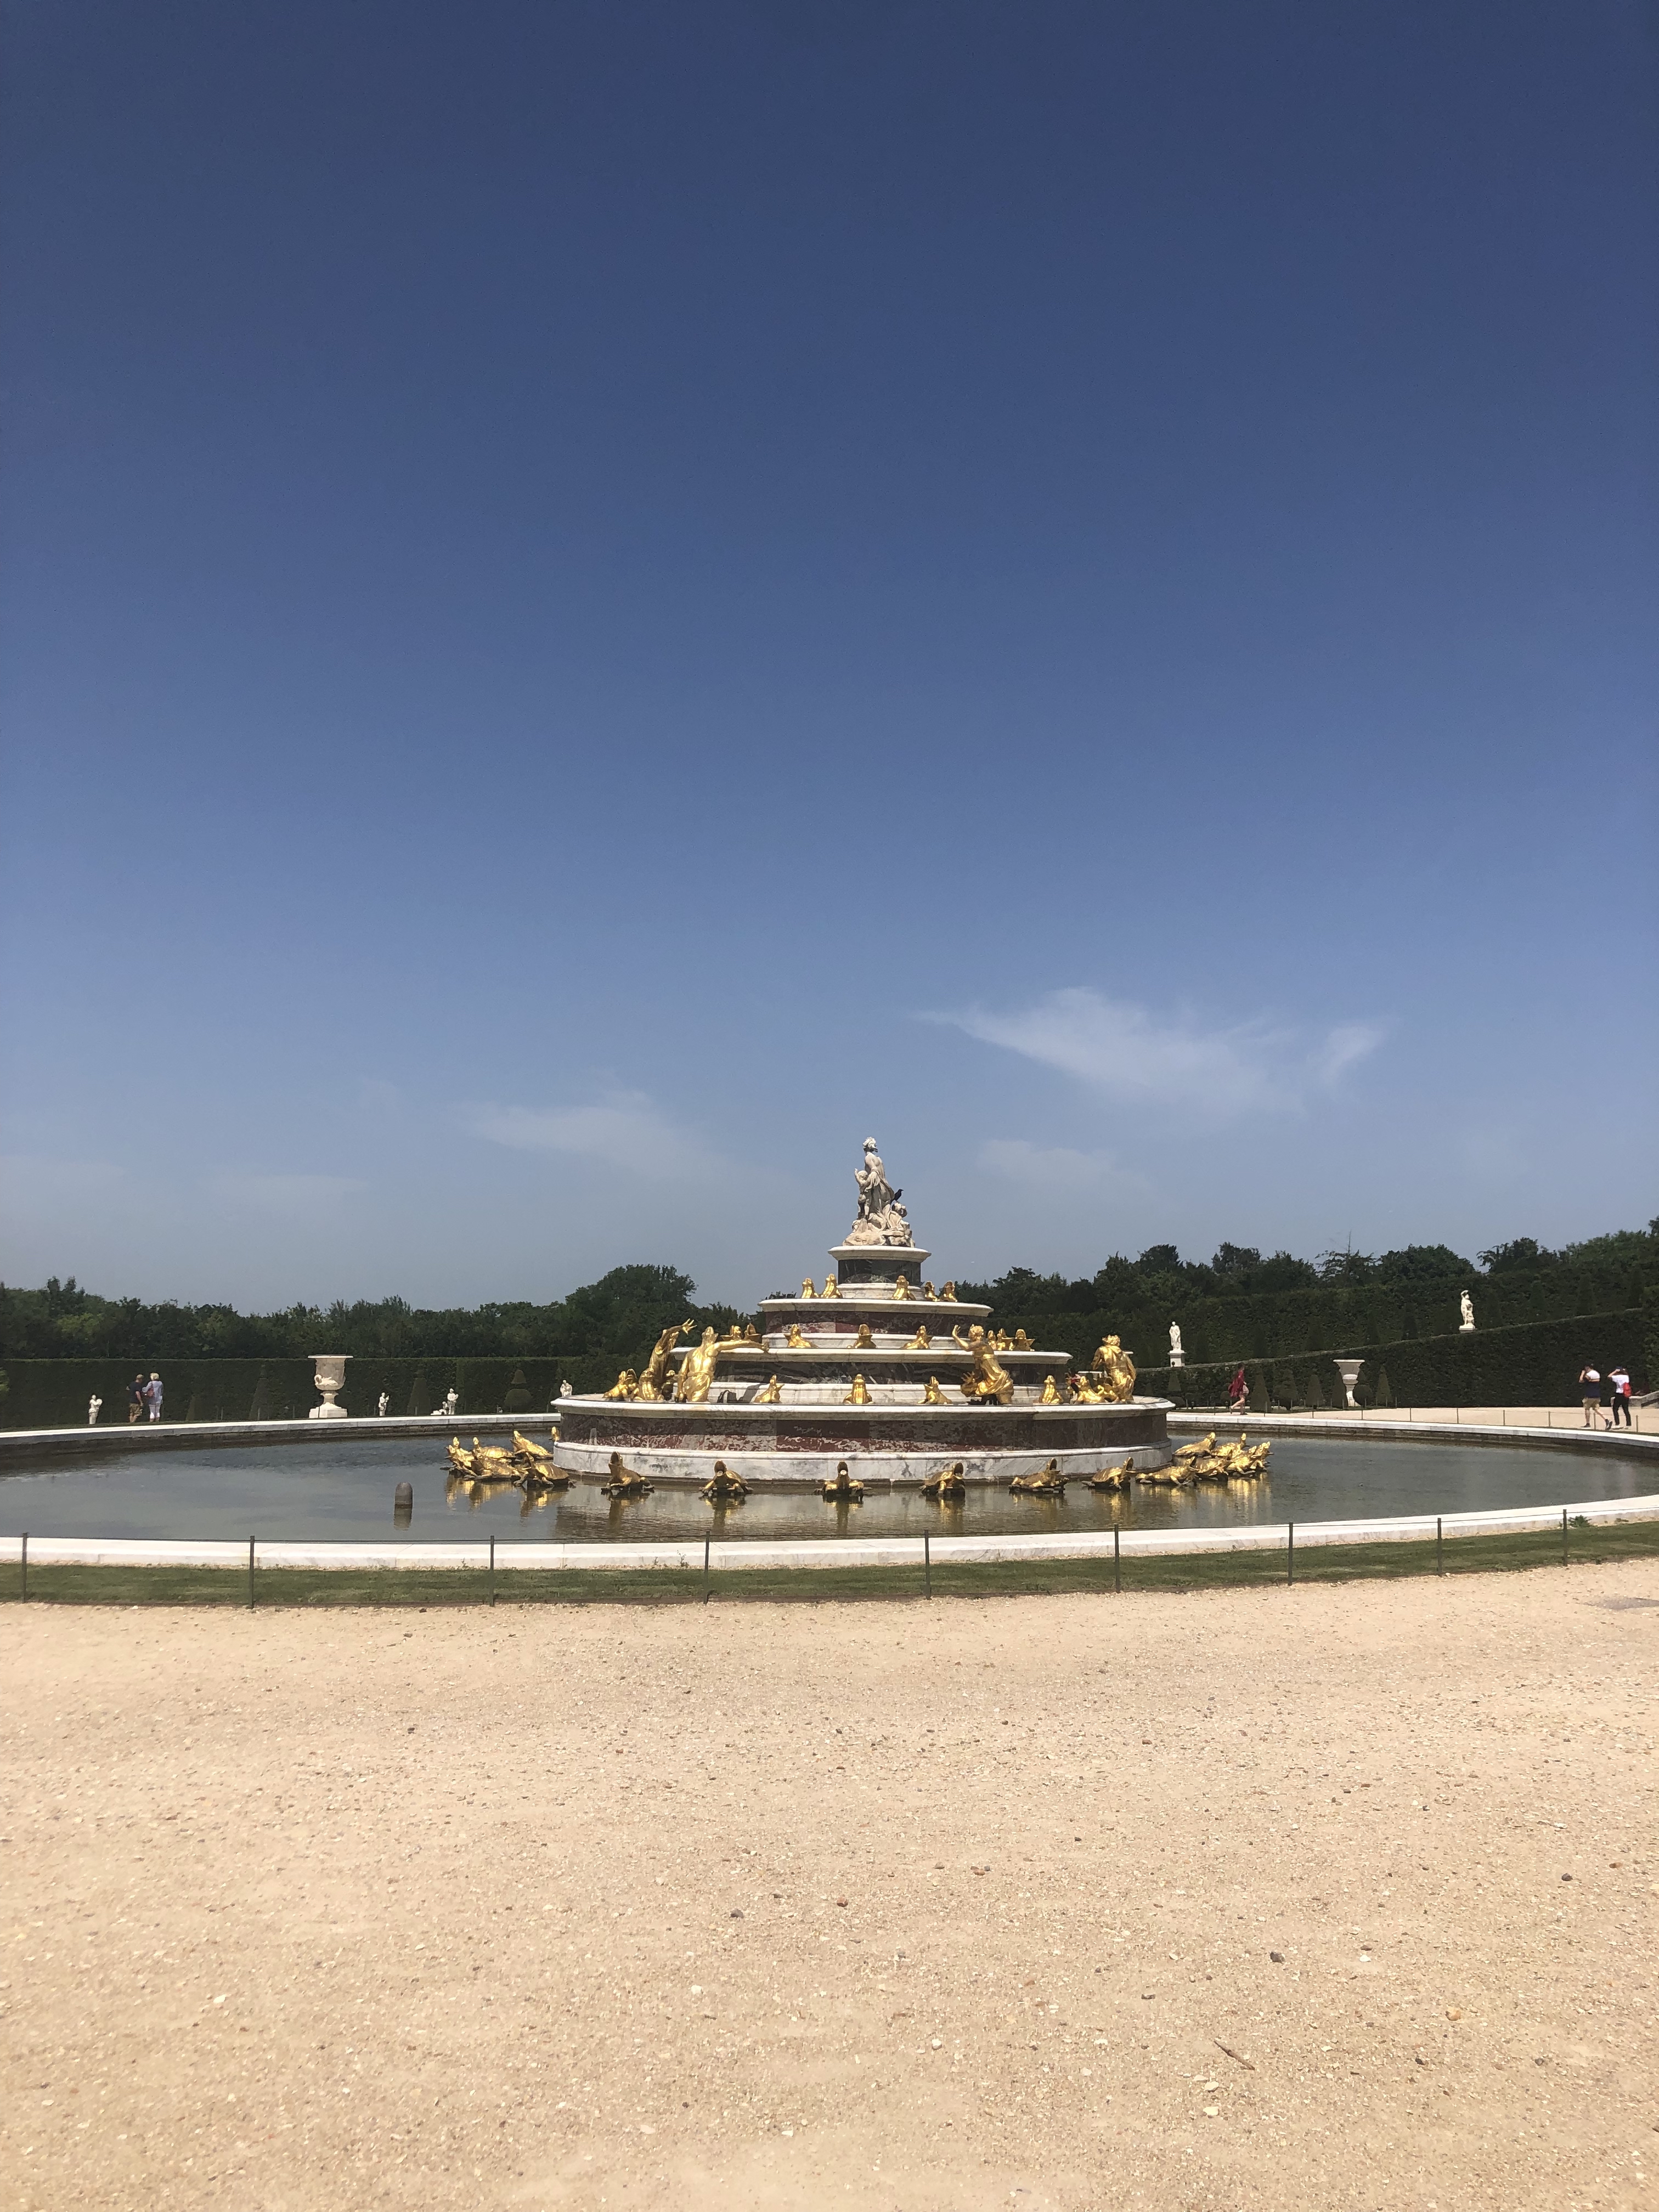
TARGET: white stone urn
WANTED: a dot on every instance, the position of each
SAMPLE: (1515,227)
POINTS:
(1349,1371)
(331,1367)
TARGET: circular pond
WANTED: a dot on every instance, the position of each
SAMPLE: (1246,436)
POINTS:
(341,1489)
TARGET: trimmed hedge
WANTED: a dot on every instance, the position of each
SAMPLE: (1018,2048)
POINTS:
(1534,1365)
(52,1394)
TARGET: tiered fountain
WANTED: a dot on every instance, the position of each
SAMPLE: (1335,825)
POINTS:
(876,1368)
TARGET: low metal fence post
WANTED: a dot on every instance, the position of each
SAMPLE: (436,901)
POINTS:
(1564,1537)
(927,1566)
(1290,1550)
(26,1565)
(250,1574)
(1439,1548)
(492,1571)
(706,1541)
(1117,1559)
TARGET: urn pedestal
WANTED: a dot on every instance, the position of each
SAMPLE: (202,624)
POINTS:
(329,1378)
(1349,1371)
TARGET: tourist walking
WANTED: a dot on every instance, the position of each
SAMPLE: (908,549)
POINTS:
(1589,1390)
(1238,1391)
(1618,1383)
(153,1395)
(136,1397)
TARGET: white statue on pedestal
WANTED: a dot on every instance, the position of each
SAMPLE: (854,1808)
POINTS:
(565,1389)
(1177,1357)
(1467,1304)
(881,1218)
(451,1401)
(385,1402)
(95,1407)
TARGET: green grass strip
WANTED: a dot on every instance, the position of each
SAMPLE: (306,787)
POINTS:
(421,1588)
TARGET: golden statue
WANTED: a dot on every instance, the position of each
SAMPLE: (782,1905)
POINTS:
(989,1379)
(901,1289)
(864,1341)
(1003,1341)
(1113,1478)
(1022,1342)
(795,1341)
(860,1392)
(927,1290)
(1113,1363)
(945,1486)
(831,1288)
(656,1382)
(734,1335)
(932,1395)
(949,1292)
(1051,1392)
(921,1342)
(1047,1482)
(625,1481)
(1206,1462)
(533,1467)
(459,1457)
(697,1371)
(771,1395)
(1082,1392)
(752,1336)
(625,1386)
(724,1488)
(843,1491)
(806,1289)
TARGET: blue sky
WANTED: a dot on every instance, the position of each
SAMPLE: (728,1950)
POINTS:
(601,601)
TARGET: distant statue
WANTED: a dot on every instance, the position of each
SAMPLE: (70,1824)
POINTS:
(95,1407)
(384,1401)
(697,1370)
(881,1218)
(932,1395)
(1467,1304)
(806,1287)
(901,1288)
(831,1288)
(1176,1354)
(860,1392)
(988,1380)
(1051,1392)
(627,1385)
(451,1401)
(771,1395)
(565,1389)
(922,1342)
(797,1339)
(864,1341)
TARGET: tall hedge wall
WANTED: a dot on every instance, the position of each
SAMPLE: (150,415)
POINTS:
(52,1394)
(1536,1364)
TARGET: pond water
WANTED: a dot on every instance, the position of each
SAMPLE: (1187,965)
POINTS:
(342,1490)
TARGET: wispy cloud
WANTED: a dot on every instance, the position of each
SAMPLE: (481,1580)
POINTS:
(625,1129)
(1054,1167)
(288,1195)
(1134,1056)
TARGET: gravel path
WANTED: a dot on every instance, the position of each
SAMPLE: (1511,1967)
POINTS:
(1244,1900)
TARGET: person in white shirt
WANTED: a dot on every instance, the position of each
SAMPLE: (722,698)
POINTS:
(1589,1385)
(1619,1382)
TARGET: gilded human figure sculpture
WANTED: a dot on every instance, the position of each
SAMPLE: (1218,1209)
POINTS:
(796,1341)
(927,1290)
(626,1385)
(860,1392)
(864,1341)
(752,1336)
(1116,1372)
(771,1395)
(831,1288)
(807,1289)
(656,1383)
(697,1370)
(949,1291)
(1022,1342)
(932,1395)
(1051,1392)
(921,1342)
(989,1379)
(901,1289)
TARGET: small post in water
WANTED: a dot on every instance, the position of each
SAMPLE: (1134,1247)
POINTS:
(1439,1547)
(250,1574)
(1290,1550)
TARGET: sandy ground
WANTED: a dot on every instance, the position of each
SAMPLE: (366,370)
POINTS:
(1240,1900)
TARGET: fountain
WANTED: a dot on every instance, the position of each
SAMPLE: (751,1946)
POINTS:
(879,1370)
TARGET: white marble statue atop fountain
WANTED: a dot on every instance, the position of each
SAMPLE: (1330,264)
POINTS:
(1467,1304)
(881,1218)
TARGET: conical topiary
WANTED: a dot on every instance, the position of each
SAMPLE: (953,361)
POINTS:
(518,1396)
(420,1396)
(260,1409)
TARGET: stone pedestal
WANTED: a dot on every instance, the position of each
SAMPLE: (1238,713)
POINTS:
(1349,1371)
